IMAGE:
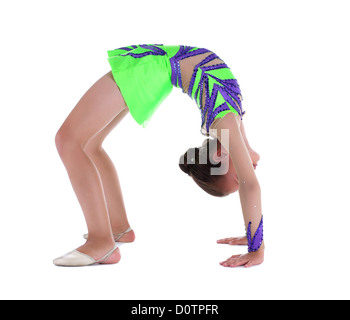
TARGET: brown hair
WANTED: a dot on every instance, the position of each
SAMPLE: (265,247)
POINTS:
(201,172)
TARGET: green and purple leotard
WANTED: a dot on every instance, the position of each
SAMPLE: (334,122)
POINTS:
(146,75)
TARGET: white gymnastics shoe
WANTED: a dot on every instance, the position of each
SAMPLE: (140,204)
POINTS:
(116,236)
(79,259)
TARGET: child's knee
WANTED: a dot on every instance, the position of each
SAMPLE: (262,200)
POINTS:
(67,141)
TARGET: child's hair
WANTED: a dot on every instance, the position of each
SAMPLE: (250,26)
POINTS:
(201,172)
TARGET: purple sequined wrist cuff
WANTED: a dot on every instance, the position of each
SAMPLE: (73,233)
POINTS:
(255,243)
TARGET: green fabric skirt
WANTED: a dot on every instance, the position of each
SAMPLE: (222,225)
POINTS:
(143,75)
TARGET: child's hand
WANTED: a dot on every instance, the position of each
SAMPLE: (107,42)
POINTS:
(247,260)
(238,241)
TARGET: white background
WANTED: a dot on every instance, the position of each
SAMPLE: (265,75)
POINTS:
(292,62)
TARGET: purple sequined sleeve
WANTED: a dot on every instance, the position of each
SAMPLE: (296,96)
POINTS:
(255,243)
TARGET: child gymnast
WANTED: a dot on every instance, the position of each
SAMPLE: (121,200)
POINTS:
(141,77)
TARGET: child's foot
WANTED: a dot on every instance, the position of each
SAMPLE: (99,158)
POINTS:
(114,258)
(124,237)
(98,250)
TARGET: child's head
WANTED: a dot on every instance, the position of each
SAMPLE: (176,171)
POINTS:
(211,168)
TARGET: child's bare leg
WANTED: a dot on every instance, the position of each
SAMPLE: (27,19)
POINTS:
(110,181)
(95,110)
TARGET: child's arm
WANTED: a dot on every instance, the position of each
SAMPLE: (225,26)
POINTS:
(251,151)
(244,135)
(249,188)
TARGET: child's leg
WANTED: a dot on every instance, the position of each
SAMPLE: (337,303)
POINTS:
(95,110)
(110,180)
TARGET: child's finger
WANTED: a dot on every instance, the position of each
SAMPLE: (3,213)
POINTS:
(226,240)
(235,262)
(249,264)
(238,241)
(229,259)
